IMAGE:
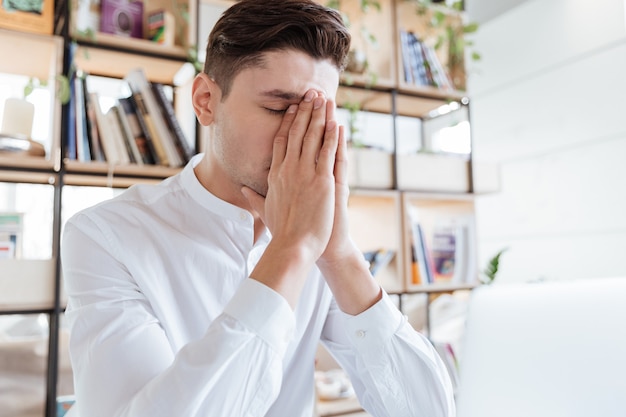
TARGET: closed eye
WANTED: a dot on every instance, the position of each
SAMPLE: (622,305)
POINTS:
(276,112)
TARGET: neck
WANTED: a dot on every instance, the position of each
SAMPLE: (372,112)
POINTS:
(210,177)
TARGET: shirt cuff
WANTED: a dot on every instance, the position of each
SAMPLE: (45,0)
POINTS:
(264,312)
(375,326)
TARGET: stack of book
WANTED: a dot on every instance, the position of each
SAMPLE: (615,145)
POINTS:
(140,128)
(421,65)
(446,254)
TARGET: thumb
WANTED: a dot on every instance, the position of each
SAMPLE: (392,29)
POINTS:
(256,201)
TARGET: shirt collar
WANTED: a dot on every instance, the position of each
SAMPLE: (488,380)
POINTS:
(209,201)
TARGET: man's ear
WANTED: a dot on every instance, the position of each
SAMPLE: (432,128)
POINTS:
(204,95)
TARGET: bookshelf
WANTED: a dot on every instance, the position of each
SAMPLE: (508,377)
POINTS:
(381,188)
(48,190)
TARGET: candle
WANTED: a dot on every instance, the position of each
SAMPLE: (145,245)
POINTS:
(17,118)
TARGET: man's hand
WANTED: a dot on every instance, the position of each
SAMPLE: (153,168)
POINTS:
(299,206)
(342,263)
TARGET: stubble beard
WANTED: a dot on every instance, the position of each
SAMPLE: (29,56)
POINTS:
(228,160)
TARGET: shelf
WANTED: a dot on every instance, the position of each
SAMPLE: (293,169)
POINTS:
(437,287)
(27,284)
(27,177)
(130,170)
(27,162)
(408,19)
(108,181)
(100,40)
(45,54)
(185,38)
(116,64)
(101,174)
(436,212)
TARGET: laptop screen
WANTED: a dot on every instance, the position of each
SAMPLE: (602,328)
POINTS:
(545,349)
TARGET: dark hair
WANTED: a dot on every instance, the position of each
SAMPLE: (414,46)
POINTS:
(251,27)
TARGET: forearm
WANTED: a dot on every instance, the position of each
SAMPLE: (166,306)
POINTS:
(351,282)
(284,268)
(394,369)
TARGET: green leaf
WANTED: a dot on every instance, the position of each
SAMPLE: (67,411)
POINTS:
(476,56)
(470,28)
(63,89)
(491,270)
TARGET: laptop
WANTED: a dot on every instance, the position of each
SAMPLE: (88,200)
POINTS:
(548,349)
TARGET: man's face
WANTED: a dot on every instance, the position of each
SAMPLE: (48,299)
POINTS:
(246,122)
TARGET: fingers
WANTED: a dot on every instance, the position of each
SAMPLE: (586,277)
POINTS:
(308,133)
(282,136)
(257,201)
(341,160)
(300,125)
(314,136)
(328,152)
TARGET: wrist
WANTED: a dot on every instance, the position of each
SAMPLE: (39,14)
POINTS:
(284,269)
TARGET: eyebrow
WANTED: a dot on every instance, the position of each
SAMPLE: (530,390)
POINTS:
(282,94)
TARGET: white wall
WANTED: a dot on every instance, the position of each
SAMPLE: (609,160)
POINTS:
(549,104)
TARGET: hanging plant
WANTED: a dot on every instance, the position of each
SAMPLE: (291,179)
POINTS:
(358,62)
(450,34)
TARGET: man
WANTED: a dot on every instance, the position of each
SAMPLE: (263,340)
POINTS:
(207,295)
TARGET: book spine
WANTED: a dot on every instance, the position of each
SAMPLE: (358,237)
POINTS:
(140,131)
(139,84)
(419,69)
(182,145)
(122,147)
(127,134)
(95,146)
(157,145)
(104,131)
(406,57)
(82,128)
(439,74)
(143,137)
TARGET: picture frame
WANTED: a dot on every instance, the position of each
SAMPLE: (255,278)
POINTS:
(39,21)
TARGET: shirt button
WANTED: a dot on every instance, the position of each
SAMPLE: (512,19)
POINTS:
(243,215)
(360,334)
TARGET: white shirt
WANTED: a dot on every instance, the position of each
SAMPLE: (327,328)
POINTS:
(165,321)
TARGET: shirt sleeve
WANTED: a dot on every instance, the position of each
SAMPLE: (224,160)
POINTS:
(395,371)
(122,360)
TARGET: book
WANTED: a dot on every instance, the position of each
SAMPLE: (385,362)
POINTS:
(446,253)
(95,146)
(71,139)
(438,73)
(378,259)
(148,123)
(185,151)
(83,151)
(140,130)
(105,132)
(406,56)
(161,27)
(11,230)
(453,251)
(420,249)
(117,136)
(148,105)
(127,133)
(420,70)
